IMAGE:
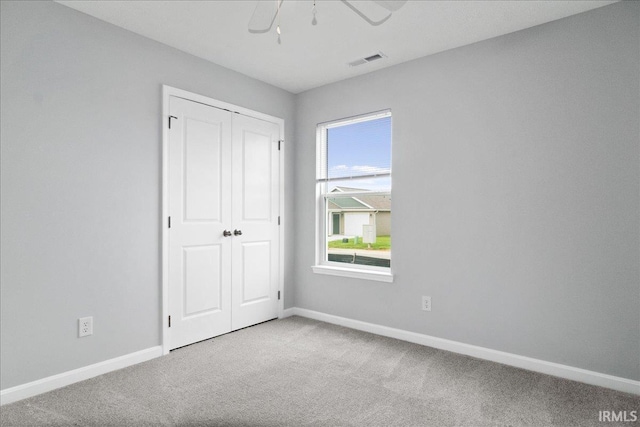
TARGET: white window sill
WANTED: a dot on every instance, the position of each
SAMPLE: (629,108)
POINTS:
(380,276)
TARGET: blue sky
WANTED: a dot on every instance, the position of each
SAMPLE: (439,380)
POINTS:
(360,149)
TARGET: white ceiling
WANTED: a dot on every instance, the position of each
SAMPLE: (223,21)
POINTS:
(311,56)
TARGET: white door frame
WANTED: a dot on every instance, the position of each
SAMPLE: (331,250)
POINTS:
(168,91)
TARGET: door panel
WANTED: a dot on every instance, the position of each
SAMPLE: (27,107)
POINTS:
(255,213)
(200,208)
(202,279)
(336,223)
(256,264)
(202,166)
(256,172)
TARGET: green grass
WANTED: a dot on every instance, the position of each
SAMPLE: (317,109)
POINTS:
(383,243)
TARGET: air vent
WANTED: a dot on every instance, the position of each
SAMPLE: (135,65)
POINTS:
(367,59)
(373,57)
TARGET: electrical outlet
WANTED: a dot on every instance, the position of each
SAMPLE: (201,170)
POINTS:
(426,303)
(85,326)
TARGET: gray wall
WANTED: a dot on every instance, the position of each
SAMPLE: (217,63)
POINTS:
(516,193)
(81,183)
(516,189)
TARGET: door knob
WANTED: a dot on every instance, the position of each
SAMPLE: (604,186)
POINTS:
(226,233)
(237,232)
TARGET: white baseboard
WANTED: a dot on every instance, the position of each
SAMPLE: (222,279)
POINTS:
(288,312)
(536,365)
(43,385)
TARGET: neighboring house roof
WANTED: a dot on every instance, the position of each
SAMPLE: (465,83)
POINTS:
(379,203)
(375,202)
(347,203)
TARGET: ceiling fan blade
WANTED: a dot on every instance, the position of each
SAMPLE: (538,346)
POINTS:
(391,5)
(263,16)
(370,11)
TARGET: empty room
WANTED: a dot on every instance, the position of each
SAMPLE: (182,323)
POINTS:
(320,212)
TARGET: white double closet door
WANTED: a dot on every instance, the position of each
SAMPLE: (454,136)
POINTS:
(223,236)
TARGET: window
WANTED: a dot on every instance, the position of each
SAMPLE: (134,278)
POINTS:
(353,189)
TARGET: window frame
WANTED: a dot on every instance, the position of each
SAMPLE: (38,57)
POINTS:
(322,217)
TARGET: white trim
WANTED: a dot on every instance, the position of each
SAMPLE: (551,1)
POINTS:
(528,363)
(44,385)
(288,313)
(167,92)
(282,222)
(356,119)
(190,96)
(380,276)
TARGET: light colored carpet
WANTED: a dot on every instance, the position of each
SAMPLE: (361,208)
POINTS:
(296,372)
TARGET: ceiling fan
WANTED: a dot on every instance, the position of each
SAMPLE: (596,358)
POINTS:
(375,12)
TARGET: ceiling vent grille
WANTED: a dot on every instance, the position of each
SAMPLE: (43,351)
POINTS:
(367,59)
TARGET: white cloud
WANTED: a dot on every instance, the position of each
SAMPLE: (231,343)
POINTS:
(339,167)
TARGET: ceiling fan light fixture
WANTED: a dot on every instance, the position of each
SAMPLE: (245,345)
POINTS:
(314,21)
(266,12)
(278,16)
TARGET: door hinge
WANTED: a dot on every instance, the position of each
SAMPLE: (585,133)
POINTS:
(171,117)
(278,295)
(169,222)
(278,220)
(169,321)
(280,141)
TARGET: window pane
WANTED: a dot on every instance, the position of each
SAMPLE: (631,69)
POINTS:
(358,234)
(358,149)
(359,228)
